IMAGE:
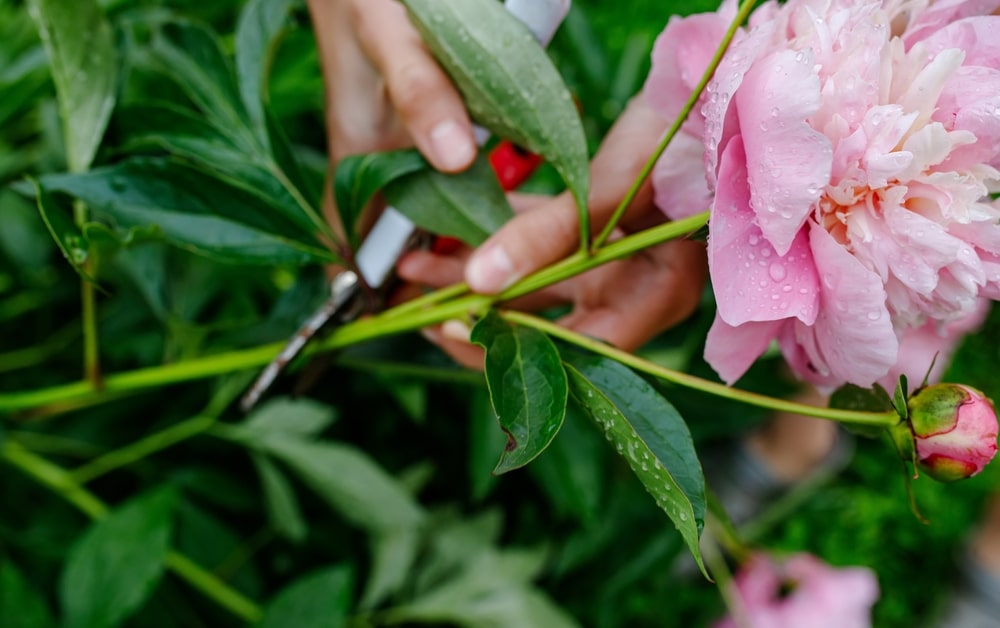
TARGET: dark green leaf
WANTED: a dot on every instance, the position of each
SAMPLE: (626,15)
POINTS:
(116,564)
(84,64)
(900,396)
(184,134)
(469,205)
(509,84)
(193,57)
(66,234)
(351,482)
(527,385)
(649,433)
(257,35)
(571,471)
(194,211)
(321,599)
(279,497)
(21,606)
(852,397)
(359,177)
(486,444)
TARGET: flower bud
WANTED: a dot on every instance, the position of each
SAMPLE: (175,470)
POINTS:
(954,430)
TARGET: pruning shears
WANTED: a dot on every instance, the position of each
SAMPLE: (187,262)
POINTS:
(393,234)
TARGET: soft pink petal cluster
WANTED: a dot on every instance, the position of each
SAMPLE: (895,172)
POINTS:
(849,151)
(803,592)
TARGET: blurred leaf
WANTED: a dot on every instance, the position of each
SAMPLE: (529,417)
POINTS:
(486,443)
(212,543)
(84,65)
(527,385)
(393,556)
(195,212)
(852,397)
(469,205)
(21,606)
(518,96)
(184,134)
(321,599)
(279,498)
(491,590)
(114,567)
(260,24)
(193,57)
(359,177)
(571,470)
(351,482)
(63,231)
(299,417)
(649,433)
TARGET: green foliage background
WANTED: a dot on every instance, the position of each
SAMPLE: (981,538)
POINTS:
(261,507)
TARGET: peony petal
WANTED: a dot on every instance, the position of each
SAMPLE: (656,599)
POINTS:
(679,187)
(788,162)
(680,55)
(975,36)
(853,332)
(751,281)
(732,350)
(941,13)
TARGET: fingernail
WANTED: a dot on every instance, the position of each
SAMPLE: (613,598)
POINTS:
(490,270)
(455,329)
(452,147)
(431,334)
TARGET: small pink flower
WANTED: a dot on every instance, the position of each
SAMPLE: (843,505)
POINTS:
(803,592)
(954,429)
(849,149)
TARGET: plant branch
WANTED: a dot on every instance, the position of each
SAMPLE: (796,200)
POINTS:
(62,483)
(880,419)
(682,116)
(386,323)
(141,448)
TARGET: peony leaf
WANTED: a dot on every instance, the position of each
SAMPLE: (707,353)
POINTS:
(649,433)
(114,567)
(527,386)
(321,599)
(510,85)
(359,177)
(194,211)
(469,205)
(84,62)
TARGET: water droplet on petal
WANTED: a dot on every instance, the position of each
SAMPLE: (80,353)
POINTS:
(777,271)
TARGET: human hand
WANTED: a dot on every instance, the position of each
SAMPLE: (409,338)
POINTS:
(384,89)
(625,302)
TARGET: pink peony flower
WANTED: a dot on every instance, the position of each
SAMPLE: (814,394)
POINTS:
(803,592)
(954,430)
(850,148)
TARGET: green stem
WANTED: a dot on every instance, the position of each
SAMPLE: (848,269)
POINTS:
(682,116)
(141,449)
(365,329)
(91,354)
(63,484)
(881,419)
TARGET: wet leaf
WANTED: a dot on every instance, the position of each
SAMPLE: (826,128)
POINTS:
(469,205)
(60,226)
(510,85)
(527,386)
(258,32)
(649,434)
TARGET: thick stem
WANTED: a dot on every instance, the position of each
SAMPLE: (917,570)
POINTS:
(882,419)
(62,483)
(383,324)
(91,351)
